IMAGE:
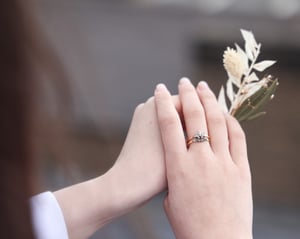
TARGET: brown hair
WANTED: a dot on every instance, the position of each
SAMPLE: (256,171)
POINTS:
(16,86)
(23,48)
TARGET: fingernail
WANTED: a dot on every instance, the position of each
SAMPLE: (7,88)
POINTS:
(203,85)
(160,87)
(184,80)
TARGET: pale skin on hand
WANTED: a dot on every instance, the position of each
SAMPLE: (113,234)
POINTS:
(137,176)
(209,183)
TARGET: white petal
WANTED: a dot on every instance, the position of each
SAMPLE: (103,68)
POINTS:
(243,56)
(234,80)
(249,52)
(252,78)
(249,39)
(261,66)
(229,90)
(222,100)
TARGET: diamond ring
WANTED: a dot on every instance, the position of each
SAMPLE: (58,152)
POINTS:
(199,137)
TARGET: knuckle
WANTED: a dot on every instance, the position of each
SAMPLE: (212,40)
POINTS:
(168,121)
(209,100)
(217,119)
(238,133)
(195,113)
(208,96)
(236,129)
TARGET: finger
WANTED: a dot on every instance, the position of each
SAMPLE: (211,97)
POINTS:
(177,103)
(169,122)
(237,141)
(193,112)
(215,119)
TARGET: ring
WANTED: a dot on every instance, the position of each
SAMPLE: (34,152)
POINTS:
(199,137)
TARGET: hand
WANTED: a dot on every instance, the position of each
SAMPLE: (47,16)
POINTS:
(139,172)
(137,175)
(209,182)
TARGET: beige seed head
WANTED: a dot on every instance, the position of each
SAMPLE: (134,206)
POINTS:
(233,63)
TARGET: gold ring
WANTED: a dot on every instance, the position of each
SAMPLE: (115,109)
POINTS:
(199,137)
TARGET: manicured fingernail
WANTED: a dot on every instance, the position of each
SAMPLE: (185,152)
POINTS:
(184,80)
(160,87)
(203,85)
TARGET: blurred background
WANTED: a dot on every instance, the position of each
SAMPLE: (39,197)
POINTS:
(115,52)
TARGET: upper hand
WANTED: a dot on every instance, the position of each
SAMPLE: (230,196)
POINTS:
(209,182)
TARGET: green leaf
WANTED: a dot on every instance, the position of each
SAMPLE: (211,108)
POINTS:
(252,106)
(247,106)
(256,115)
(266,97)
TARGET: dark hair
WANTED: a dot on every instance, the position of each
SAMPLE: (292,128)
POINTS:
(16,86)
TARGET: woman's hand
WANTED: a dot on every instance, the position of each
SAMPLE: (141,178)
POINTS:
(209,182)
(137,176)
(139,172)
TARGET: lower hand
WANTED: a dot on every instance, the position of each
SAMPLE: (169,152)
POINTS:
(139,172)
(137,176)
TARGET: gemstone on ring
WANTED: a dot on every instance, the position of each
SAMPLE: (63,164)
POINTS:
(199,137)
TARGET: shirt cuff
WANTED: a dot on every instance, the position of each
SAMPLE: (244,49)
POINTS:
(47,218)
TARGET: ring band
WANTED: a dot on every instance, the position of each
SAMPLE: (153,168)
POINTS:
(199,137)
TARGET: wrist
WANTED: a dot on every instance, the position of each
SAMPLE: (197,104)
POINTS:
(87,206)
(127,194)
(116,197)
(133,184)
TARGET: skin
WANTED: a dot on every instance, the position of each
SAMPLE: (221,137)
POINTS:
(137,176)
(209,183)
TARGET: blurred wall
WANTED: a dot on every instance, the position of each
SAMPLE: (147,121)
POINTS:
(115,54)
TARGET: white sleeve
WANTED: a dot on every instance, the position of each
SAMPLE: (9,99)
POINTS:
(47,217)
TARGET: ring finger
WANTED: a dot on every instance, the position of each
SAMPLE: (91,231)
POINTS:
(194,115)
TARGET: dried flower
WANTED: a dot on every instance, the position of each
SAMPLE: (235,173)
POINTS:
(250,93)
(233,63)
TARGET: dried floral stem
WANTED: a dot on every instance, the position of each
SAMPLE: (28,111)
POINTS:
(245,80)
(250,93)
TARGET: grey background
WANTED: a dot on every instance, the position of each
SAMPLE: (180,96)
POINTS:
(115,52)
